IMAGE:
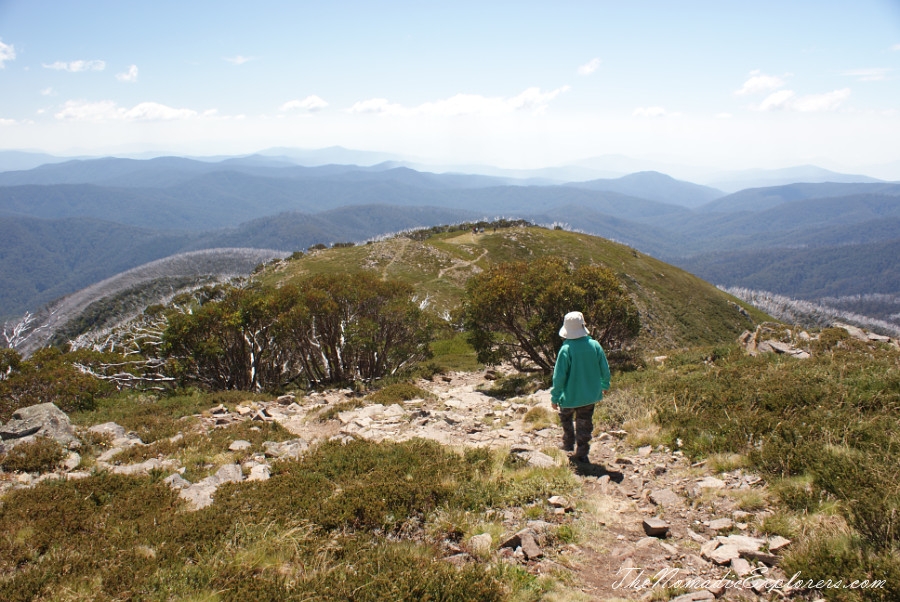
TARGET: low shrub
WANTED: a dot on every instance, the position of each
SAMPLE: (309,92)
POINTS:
(331,526)
(397,393)
(41,455)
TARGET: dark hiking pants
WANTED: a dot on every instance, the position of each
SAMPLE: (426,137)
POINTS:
(578,426)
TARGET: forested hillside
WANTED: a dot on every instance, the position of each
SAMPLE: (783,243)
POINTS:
(122,213)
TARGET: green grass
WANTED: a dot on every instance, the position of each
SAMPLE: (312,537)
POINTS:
(678,309)
(454,354)
(823,431)
(344,522)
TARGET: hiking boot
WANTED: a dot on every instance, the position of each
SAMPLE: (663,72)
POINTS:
(581,453)
(567,446)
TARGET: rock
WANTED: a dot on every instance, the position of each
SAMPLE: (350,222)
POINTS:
(538,459)
(512,542)
(742,542)
(199,495)
(262,416)
(740,567)
(857,333)
(645,451)
(113,430)
(72,461)
(696,536)
(767,559)
(702,594)
(286,449)
(708,548)
(723,555)
(717,588)
(539,526)
(481,545)
(219,410)
(176,481)
(778,543)
(286,400)
(666,498)
(260,472)
(711,483)
(143,467)
(655,527)
(42,420)
(721,524)
(240,445)
(529,546)
(557,501)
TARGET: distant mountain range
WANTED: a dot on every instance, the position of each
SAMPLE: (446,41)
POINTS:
(68,224)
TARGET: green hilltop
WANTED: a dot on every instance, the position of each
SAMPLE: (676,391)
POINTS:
(677,308)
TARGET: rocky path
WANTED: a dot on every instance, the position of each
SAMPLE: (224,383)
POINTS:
(646,518)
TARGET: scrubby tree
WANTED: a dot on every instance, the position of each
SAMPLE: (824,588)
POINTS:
(327,329)
(357,327)
(513,311)
(47,376)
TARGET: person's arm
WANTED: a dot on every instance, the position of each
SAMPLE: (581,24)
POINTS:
(604,369)
(560,376)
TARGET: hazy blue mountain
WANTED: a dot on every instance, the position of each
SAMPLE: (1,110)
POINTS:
(758,178)
(657,187)
(167,205)
(760,199)
(13,160)
(228,198)
(330,155)
(294,231)
(805,273)
(41,260)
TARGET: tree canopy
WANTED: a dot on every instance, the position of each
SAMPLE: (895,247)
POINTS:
(327,329)
(513,311)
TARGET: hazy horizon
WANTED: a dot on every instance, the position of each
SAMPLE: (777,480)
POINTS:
(707,85)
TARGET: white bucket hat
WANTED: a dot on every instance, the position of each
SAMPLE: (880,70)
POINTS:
(573,326)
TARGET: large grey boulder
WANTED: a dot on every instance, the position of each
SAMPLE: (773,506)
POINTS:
(42,420)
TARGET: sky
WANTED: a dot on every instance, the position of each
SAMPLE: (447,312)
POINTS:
(716,84)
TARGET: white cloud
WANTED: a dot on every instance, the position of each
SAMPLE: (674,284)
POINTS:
(152,111)
(107,110)
(310,103)
(589,67)
(650,112)
(239,60)
(48,91)
(776,100)
(76,66)
(896,47)
(821,102)
(787,100)
(4,122)
(129,76)
(531,99)
(7,53)
(724,115)
(875,74)
(759,82)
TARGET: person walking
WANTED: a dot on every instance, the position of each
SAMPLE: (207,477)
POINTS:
(580,377)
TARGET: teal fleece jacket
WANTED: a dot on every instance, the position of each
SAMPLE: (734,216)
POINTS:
(581,374)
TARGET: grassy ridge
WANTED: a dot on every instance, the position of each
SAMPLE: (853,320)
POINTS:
(677,309)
